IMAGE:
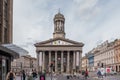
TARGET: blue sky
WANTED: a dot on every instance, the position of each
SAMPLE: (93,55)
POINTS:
(89,21)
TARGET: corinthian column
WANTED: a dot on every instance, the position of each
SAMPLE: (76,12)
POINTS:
(40,60)
(55,61)
(49,60)
(80,57)
(74,54)
(37,61)
(68,62)
(77,58)
(43,61)
(61,61)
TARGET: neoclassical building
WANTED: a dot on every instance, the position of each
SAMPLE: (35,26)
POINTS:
(117,55)
(104,55)
(64,54)
(6,21)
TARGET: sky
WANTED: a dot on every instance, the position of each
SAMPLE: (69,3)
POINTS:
(88,21)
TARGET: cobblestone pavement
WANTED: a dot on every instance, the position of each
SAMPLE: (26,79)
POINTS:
(115,77)
(108,77)
(64,77)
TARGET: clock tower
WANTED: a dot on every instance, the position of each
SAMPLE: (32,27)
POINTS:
(62,54)
(59,21)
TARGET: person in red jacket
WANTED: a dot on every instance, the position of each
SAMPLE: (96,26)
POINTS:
(86,74)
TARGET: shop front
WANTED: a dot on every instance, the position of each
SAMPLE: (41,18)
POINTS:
(6,56)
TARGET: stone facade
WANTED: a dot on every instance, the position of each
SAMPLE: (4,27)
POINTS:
(85,63)
(107,55)
(104,55)
(26,63)
(64,54)
(117,55)
(6,21)
(6,55)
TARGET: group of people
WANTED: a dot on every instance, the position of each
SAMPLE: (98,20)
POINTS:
(84,74)
(11,75)
(100,74)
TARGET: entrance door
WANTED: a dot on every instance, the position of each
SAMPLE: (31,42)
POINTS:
(3,69)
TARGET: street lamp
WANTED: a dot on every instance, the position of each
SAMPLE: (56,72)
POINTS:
(21,69)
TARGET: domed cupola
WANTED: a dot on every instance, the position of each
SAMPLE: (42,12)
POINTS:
(59,21)
(59,16)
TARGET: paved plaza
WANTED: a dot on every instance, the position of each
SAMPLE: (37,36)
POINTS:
(64,77)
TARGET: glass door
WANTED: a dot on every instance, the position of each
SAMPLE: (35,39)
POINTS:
(3,69)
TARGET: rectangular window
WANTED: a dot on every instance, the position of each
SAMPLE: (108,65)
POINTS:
(5,35)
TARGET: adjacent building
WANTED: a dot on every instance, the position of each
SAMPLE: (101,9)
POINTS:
(90,57)
(104,55)
(25,62)
(64,54)
(6,55)
(85,63)
(6,21)
(8,51)
(117,55)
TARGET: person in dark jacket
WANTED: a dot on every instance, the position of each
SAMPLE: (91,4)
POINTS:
(34,74)
(23,74)
(99,74)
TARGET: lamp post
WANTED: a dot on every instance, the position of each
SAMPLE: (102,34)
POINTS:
(21,69)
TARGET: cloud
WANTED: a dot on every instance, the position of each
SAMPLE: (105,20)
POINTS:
(87,21)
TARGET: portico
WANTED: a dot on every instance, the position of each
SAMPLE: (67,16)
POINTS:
(64,60)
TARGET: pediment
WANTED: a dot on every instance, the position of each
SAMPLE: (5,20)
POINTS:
(59,41)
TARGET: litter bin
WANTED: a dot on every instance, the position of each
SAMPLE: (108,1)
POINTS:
(42,77)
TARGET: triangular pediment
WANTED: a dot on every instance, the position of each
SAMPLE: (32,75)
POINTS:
(59,41)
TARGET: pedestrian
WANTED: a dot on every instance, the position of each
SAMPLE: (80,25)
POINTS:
(23,75)
(99,74)
(34,74)
(86,74)
(83,72)
(10,75)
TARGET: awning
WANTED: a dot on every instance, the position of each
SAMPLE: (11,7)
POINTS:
(6,51)
(15,50)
